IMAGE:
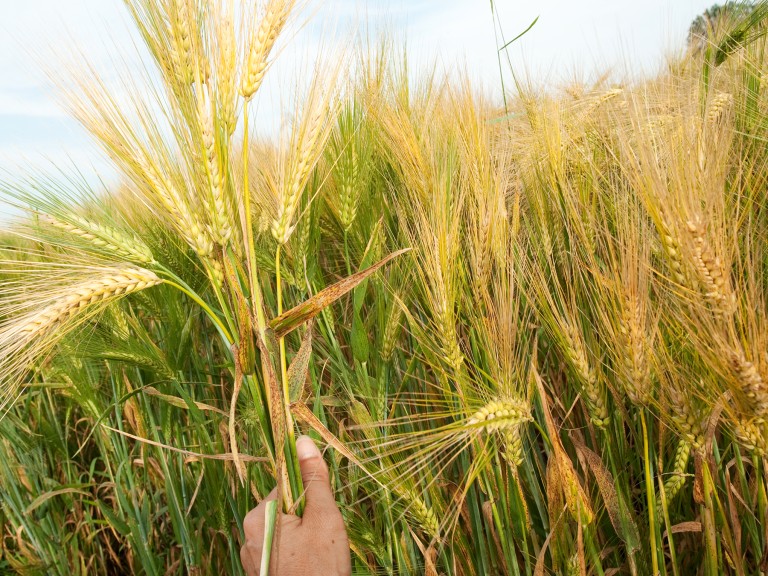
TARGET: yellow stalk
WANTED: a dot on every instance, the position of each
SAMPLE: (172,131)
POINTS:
(292,458)
(250,244)
(257,300)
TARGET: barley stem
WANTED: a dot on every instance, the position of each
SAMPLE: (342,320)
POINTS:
(649,491)
(257,298)
(668,525)
(250,244)
(292,460)
(708,521)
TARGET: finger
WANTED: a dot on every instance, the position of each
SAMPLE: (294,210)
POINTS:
(320,503)
(253,525)
(250,556)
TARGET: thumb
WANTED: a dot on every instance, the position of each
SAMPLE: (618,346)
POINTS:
(320,502)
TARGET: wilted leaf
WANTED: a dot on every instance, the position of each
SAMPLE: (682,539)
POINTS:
(43,498)
(180,402)
(576,498)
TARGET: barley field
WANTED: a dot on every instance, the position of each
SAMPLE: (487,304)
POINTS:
(531,336)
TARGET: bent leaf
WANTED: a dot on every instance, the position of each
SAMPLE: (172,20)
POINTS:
(295,317)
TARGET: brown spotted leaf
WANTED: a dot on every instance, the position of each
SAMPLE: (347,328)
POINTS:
(685,527)
(618,510)
(301,412)
(576,498)
(297,371)
(295,317)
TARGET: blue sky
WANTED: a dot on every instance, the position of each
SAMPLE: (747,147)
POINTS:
(571,37)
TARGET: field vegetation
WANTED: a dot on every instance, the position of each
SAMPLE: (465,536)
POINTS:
(532,335)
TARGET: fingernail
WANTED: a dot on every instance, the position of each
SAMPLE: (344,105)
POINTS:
(306,449)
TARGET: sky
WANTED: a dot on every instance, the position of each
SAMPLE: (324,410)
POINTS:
(570,39)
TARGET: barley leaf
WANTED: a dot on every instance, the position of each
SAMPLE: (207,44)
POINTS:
(297,371)
(295,317)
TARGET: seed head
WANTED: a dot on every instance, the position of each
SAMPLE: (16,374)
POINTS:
(710,269)
(221,227)
(114,283)
(751,383)
(593,391)
(391,331)
(751,434)
(102,236)
(676,478)
(500,415)
(274,19)
(306,156)
(632,338)
(719,106)
(688,421)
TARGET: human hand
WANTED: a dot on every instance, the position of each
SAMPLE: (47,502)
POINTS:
(313,545)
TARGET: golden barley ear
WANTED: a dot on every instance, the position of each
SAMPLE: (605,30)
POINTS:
(101,236)
(27,337)
(274,19)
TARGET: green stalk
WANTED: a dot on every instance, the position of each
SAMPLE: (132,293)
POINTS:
(725,536)
(649,492)
(504,531)
(762,499)
(296,488)
(222,301)
(270,523)
(594,555)
(182,287)
(259,398)
(751,522)
(346,253)
(708,520)
(476,519)
(668,526)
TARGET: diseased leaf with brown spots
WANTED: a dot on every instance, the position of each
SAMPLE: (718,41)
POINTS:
(297,371)
(295,317)
(685,527)
(618,511)
(576,499)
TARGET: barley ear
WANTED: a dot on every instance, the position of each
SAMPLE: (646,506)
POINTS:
(676,479)
(262,41)
(101,236)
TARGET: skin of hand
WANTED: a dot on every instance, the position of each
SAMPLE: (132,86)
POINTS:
(313,545)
